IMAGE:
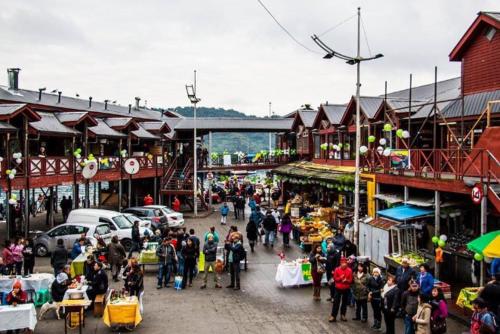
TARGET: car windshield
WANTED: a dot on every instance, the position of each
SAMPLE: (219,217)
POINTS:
(122,222)
(102,229)
(132,218)
(167,210)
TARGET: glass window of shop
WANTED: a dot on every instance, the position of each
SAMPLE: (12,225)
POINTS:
(317,146)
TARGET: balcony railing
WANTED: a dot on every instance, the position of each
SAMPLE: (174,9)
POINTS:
(451,164)
(248,161)
(57,165)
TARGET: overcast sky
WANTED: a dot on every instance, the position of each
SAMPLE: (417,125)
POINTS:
(119,49)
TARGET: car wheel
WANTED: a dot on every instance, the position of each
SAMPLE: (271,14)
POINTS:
(41,250)
(126,243)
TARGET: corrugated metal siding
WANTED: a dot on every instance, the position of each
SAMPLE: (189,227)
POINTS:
(473,105)
(334,112)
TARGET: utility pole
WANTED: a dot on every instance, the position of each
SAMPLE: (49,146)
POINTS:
(270,144)
(330,53)
(191,93)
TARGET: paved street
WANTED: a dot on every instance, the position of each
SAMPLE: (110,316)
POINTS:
(260,307)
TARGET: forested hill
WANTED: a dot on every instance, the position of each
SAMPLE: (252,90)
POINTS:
(232,142)
(211,112)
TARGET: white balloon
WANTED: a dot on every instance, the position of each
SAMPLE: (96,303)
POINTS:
(387,152)
(406,134)
(380,150)
(78,156)
(443,237)
(12,176)
(363,149)
(13,171)
(19,160)
(382,141)
(12,201)
(1,159)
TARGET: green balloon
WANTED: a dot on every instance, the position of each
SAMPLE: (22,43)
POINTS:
(399,133)
(371,139)
(441,243)
(387,127)
(478,257)
(435,239)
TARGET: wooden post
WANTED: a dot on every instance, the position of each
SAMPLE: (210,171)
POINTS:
(437,224)
(86,150)
(484,219)
(75,186)
(8,159)
(120,182)
(129,147)
(27,169)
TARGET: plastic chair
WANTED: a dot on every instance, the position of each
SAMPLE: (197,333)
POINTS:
(4,298)
(42,297)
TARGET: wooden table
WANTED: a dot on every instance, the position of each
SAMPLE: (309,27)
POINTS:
(123,312)
(78,307)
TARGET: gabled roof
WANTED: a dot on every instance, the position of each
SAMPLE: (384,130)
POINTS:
(234,124)
(74,118)
(156,127)
(50,125)
(483,19)
(121,123)
(76,104)
(105,131)
(332,112)
(142,133)
(474,104)
(369,106)
(307,117)
(7,127)
(8,111)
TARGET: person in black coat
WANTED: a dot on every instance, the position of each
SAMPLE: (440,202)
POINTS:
(236,254)
(59,257)
(60,284)
(99,284)
(270,226)
(136,239)
(375,286)
(252,234)
(332,261)
(88,268)
(134,283)
(390,304)
(28,256)
(189,254)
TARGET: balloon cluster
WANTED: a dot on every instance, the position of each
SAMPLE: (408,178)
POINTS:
(123,153)
(18,156)
(11,173)
(89,159)
(104,161)
(77,153)
(440,241)
(13,199)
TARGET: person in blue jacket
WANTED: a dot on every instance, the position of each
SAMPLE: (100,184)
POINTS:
(77,248)
(425,280)
(495,267)
(224,211)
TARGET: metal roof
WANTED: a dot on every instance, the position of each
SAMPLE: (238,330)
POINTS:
(7,109)
(309,170)
(334,112)
(74,117)
(29,96)
(493,15)
(308,117)
(228,124)
(49,124)
(142,133)
(474,105)
(104,130)
(369,104)
(119,122)
(7,127)
(155,126)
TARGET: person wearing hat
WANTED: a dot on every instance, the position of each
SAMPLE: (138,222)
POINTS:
(404,274)
(17,295)
(342,277)
(375,286)
(210,252)
(60,284)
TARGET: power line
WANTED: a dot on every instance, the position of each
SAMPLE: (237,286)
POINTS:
(366,37)
(285,30)
(336,26)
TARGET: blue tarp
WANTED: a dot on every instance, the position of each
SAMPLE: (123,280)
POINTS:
(404,212)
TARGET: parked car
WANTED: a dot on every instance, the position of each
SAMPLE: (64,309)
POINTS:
(159,215)
(118,223)
(46,242)
(142,222)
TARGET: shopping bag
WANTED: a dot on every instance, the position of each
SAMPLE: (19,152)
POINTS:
(178,282)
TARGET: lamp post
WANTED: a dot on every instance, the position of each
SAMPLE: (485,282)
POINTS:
(191,93)
(330,53)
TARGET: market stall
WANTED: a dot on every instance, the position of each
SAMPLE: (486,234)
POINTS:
(35,282)
(77,267)
(122,311)
(295,273)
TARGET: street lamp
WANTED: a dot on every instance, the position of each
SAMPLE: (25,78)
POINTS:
(330,53)
(191,93)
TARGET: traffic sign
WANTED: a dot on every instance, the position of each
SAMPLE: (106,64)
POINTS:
(476,194)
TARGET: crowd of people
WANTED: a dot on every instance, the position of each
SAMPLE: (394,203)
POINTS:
(18,257)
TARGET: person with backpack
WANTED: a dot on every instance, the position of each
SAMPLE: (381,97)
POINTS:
(482,321)
(439,311)
(224,211)
(270,226)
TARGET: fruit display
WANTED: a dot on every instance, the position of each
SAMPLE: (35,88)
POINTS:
(312,229)
(414,259)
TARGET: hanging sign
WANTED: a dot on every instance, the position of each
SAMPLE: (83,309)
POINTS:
(476,194)
(131,166)
(90,170)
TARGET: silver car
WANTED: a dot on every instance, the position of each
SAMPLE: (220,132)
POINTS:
(46,242)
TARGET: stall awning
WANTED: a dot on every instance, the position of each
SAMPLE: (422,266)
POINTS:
(417,201)
(305,169)
(405,212)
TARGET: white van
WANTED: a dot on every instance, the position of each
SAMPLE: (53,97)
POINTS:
(117,222)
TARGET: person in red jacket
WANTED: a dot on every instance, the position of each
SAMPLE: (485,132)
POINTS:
(342,276)
(148,200)
(176,205)
(17,295)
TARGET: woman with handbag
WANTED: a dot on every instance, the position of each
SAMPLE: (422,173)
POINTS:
(439,312)
(317,260)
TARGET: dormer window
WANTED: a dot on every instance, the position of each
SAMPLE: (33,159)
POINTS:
(490,33)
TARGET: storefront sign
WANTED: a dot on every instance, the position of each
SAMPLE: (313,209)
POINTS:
(90,170)
(476,194)
(131,166)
